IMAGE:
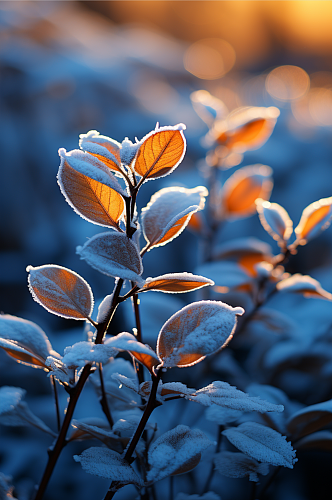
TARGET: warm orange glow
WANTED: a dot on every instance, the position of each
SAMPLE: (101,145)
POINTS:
(160,153)
(91,199)
(287,83)
(210,58)
(311,221)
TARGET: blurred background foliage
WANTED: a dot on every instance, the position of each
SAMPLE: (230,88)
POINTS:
(119,67)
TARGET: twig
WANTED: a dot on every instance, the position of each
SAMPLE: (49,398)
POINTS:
(269,482)
(151,405)
(140,370)
(56,401)
(103,399)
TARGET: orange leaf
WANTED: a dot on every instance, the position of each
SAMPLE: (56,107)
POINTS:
(275,220)
(105,149)
(306,285)
(246,128)
(196,331)
(160,152)
(242,189)
(61,291)
(168,212)
(148,361)
(22,354)
(91,199)
(176,283)
(315,218)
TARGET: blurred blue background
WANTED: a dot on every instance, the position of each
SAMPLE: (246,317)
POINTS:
(119,67)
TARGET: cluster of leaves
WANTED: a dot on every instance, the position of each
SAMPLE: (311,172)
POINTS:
(100,182)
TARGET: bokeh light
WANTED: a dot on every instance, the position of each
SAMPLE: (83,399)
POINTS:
(210,58)
(287,83)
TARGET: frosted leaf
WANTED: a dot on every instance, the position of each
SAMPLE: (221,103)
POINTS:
(149,360)
(60,371)
(127,342)
(315,218)
(273,321)
(174,449)
(242,189)
(104,462)
(222,415)
(104,308)
(210,495)
(321,440)
(306,285)
(262,443)
(15,412)
(131,383)
(168,213)
(225,274)
(176,283)
(94,201)
(246,128)
(83,353)
(113,254)
(160,152)
(208,107)
(95,138)
(197,330)
(26,334)
(232,464)
(91,167)
(128,151)
(223,394)
(22,354)
(86,430)
(61,291)
(310,419)
(275,220)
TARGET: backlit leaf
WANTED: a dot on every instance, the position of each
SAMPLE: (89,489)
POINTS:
(91,167)
(147,360)
(242,189)
(168,212)
(262,443)
(26,335)
(315,218)
(275,221)
(175,452)
(231,464)
(310,419)
(61,291)
(246,128)
(307,286)
(22,354)
(196,331)
(107,463)
(105,149)
(113,254)
(92,200)
(176,283)
(160,152)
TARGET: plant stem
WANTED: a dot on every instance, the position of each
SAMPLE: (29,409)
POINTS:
(61,440)
(151,405)
(102,327)
(56,401)
(140,370)
(103,400)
